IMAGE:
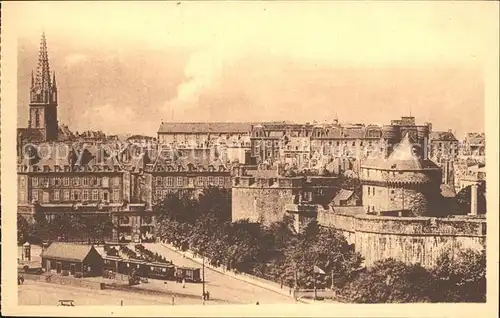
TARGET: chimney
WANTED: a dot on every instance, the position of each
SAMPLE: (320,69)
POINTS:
(473,199)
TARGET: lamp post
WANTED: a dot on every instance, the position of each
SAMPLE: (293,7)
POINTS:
(203,278)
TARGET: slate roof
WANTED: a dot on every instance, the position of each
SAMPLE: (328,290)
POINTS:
(204,127)
(402,158)
(343,195)
(442,135)
(60,154)
(30,134)
(67,252)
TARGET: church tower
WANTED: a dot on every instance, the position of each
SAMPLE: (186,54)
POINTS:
(43,97)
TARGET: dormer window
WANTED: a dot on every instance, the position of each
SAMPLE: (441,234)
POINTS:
(46,168)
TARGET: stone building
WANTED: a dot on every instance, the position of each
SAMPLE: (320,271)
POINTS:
(262,195)
(474,174)
(89,180)
(443,146)
(185,177)
(473,146)
(404,182)
(200,133)
(406,126)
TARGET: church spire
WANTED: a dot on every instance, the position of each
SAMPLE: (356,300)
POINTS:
(42,83)
(54,86)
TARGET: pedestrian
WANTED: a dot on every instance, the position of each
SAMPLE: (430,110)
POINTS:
(183,283)
(257,303)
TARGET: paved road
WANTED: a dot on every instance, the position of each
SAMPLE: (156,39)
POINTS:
(220,286)
(223,289)
(47,294)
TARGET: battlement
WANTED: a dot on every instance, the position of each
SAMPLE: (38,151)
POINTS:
(409,239)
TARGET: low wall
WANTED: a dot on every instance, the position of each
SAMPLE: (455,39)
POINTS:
(257,281)
(408,239)
(310,293)
(63,280)
(39,278)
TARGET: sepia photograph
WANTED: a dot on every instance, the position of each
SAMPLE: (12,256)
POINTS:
(305,157)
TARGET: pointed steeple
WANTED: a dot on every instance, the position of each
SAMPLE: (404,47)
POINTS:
(42,80)
(54,86)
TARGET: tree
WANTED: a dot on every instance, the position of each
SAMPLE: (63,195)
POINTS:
(461,277)
(248,244)
(391,281)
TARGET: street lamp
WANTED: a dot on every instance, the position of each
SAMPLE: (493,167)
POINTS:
(203,278)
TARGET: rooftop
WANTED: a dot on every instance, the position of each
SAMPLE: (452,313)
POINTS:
(442,135)
(205,127)
(403,158)
(66,251)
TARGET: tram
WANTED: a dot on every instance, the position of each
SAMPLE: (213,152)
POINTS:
(163,271)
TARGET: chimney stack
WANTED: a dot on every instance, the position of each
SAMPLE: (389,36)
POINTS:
(473,199)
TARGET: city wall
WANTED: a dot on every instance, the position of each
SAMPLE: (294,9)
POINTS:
(408,239)
(253,202)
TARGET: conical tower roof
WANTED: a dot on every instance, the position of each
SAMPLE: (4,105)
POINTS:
(404,157)
(42,80)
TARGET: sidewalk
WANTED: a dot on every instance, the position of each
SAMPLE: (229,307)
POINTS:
(256,281)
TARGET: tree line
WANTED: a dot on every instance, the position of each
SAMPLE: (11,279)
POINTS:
(65,227)
(278,253)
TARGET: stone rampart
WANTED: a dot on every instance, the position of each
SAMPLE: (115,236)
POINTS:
(409,239)
(266,204)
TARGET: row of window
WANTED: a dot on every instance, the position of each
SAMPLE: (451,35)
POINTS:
(72,195)
(73,181)
(160,194)
(371,191)
(200,181)
(330,143)
(125,220)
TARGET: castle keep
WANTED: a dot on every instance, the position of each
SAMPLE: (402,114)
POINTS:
(402,183)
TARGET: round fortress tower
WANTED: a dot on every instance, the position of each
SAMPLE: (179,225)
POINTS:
(423,140)
(404,182)
(391,135)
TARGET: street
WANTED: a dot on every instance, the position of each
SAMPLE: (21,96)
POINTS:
(221,286)
(38,293)
(223,289)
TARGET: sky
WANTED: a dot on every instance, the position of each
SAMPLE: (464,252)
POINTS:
(125,67)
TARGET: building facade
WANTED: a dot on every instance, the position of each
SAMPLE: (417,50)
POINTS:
(262,195)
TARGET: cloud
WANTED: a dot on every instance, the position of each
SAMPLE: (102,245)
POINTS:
(202,73)
(108,118)
(75,59)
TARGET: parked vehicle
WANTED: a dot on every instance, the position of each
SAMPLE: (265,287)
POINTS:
(189,274)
